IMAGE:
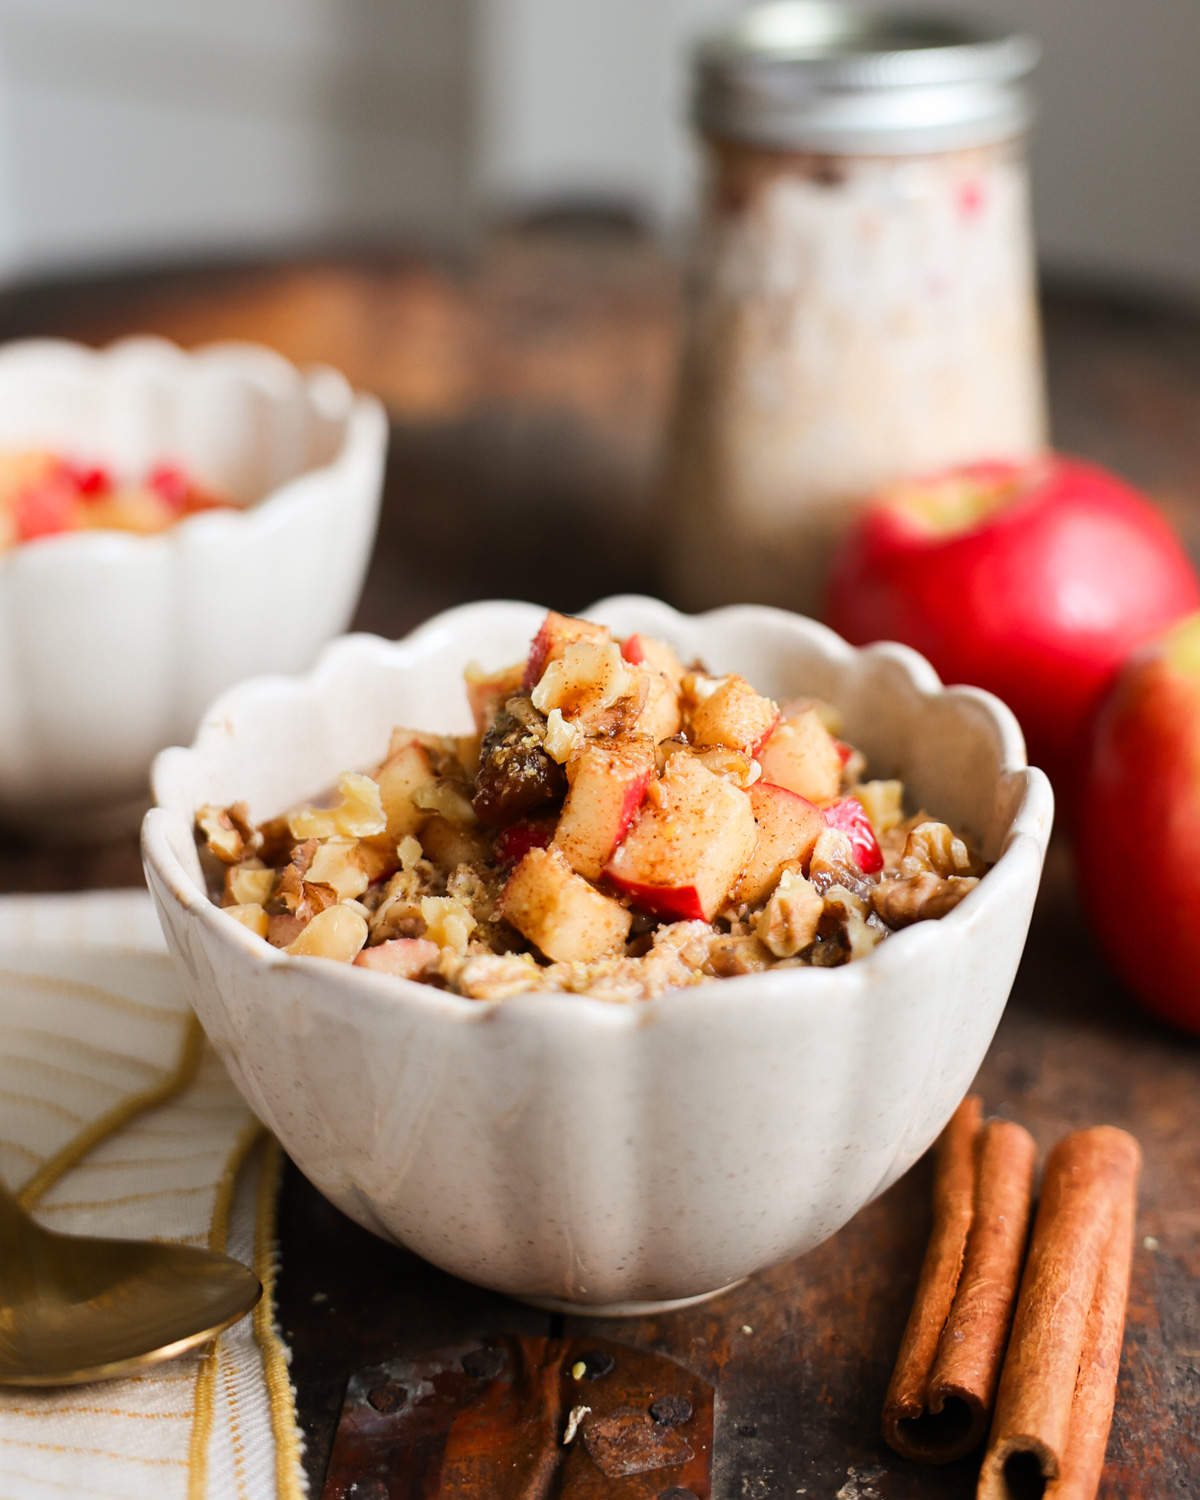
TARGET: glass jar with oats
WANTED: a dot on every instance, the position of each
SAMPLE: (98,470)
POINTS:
(862,300)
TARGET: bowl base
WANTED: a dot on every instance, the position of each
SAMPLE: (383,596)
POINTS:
(625,1309)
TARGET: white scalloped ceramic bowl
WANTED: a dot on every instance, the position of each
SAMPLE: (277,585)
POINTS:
(111,644)
(573,1151)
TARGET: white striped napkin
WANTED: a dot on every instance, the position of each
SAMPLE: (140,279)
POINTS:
(117,1118)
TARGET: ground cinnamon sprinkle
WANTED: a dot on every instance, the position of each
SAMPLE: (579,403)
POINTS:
(941,1393)
(1058,1386)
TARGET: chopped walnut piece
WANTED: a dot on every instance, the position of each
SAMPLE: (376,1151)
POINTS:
(853,921)
(790,918)
(338,932)
(359,815)
(933,847)
(919,898)
(221,833)
(589,676)
(448,922)
(337,862)
(289,892)
(729,956)
(833,863)
(562,737)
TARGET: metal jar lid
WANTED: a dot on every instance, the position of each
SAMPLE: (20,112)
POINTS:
(816,75)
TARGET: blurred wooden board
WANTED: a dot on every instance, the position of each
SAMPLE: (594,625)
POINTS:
(529,390)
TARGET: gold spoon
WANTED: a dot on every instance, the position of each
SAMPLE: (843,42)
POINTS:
(74,1309)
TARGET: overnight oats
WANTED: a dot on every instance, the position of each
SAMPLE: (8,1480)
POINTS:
(862,302)
(617,825)
(45,494)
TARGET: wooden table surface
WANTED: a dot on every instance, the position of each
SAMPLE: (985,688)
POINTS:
(528,390)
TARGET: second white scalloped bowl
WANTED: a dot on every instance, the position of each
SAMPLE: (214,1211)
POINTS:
(573,1151)
(111,644)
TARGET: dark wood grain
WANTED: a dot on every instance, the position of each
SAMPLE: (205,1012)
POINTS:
(528,391)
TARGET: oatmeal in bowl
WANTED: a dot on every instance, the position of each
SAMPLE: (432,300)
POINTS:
(551,1142)
(616,824)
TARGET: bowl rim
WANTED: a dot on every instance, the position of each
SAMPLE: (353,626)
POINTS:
(364,431)
(1029,826)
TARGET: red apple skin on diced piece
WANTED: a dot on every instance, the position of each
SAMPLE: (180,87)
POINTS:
(406,768)
(487,695)
(736,716)
(608,786)
(645,651)
(514,842)
(788,827)
(691,841)
(568,919)
(802,755)
(403,958)
(557,633)
(850,816)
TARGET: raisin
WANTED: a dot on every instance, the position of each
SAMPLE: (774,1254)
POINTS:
(515,774)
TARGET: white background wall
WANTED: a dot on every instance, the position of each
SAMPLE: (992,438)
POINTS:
(134,130)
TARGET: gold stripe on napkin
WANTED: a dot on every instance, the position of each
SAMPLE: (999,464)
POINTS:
(116,1118)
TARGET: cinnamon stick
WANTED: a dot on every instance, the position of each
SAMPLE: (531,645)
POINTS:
(941,1393)
(1058,1386)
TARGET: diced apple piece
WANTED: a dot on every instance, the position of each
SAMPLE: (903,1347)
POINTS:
(660,718)
(557,633)
(802,755)
(645,651)
(488,692)
(691,841)
(403,958)
(734,715)
(608,783)
(406,768)
(587,678)
(568,919)
(788,827)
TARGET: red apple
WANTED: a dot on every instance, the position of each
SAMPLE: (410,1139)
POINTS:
(1138,840)
(1035,582)
(788,827)
(608,783)
(692,839)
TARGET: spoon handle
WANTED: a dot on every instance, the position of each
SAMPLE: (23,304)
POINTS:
(19,1237)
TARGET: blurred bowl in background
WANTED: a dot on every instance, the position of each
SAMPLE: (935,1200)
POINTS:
(111,644)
